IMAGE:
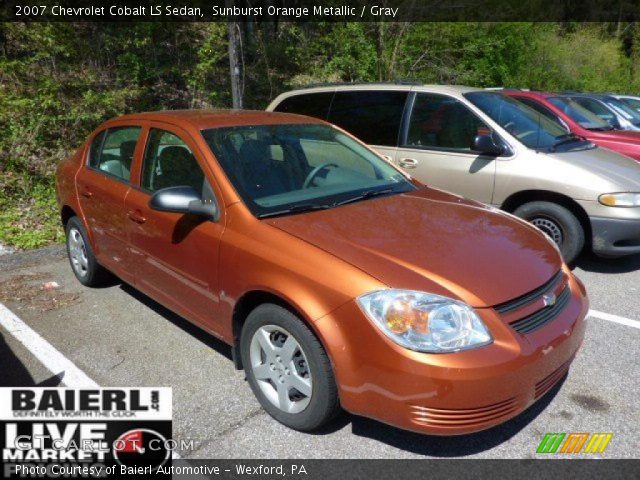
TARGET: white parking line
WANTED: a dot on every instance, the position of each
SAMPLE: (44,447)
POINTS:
(48,355)
(614,318)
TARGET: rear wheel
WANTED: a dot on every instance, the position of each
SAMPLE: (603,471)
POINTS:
(288,369)
(558,223)
(83,262)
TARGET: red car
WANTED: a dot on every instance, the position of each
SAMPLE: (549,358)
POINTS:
(580,121)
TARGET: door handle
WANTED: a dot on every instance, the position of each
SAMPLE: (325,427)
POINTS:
(134,217)
(87,194)
(408,162)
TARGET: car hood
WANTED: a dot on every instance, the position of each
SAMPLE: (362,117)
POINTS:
(606,164)
(433,241)
(621,136)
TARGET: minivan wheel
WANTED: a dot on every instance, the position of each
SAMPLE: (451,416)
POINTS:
(558,223)
(83,262)
(288,369)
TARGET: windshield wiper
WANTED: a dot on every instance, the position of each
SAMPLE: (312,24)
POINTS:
(365,194)
(303,207)
(564,139)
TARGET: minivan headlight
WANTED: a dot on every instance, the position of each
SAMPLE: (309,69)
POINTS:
(425,322)
(626,199)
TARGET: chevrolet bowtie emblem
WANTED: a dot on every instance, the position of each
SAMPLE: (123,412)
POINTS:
(549,299)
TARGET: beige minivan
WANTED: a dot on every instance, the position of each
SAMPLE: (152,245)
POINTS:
(489,147)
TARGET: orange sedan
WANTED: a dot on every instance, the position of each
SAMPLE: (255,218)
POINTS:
(337,280)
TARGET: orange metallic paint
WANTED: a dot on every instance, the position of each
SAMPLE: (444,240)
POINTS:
(320,262)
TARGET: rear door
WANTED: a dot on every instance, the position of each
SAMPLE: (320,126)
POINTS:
(175,256)
(436,147)
(103,184)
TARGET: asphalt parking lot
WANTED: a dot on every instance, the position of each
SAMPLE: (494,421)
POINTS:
(119,337)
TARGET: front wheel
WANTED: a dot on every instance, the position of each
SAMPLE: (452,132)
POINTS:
(558,223)
(288,369)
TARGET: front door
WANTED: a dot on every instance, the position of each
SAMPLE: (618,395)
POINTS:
(437,147)
(175,255)
(103,184)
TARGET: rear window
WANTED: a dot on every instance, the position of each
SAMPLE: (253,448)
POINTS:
(311,104)
(372,116)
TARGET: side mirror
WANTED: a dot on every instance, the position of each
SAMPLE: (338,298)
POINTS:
(486,146)
(182,200)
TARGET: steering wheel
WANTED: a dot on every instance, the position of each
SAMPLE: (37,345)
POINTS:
(315,172)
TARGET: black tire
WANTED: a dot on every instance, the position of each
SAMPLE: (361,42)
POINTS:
(323,404)
(95,274)
(555,220)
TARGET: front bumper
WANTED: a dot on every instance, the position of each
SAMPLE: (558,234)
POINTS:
(454,393)
(613,237)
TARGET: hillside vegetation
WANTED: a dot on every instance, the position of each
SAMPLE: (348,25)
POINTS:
(59,81)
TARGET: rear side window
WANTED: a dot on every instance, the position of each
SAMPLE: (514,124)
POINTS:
(112,151)
(311,104)
(372,116)
(168,162)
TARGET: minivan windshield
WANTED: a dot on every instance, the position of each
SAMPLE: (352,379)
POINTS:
(579,114)
(528,126)
(293,168)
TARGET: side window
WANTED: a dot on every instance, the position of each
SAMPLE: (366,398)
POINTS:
(541,109)
(372,116)
(112,151)
(441,122)
(168,162)
(312,104)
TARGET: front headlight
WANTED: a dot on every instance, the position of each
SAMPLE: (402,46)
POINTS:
(425,322)
(627,199)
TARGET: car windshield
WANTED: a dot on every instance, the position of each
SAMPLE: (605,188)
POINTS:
(527,125)
(579,114)
(286,169)
(632,102)
(624,110)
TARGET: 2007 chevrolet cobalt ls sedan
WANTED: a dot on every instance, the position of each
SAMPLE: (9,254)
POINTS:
(338,280)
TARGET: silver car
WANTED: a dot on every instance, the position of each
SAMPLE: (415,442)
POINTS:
(489,147)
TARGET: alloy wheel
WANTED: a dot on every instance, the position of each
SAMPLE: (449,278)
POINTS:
(281,369)
(78,252)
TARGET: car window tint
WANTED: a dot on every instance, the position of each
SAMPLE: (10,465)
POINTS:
(372,116)
(632,102)
(599,109)
(94,150)
(168,162)
(116,151)
(442,122)
(311,104)
(540,109)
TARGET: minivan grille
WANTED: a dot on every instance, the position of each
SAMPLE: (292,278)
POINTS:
(542,317)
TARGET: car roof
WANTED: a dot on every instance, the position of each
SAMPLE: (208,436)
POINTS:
(203,119)
(382,86)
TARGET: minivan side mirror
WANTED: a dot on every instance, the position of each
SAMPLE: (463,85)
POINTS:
(487,146)
(182,199)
